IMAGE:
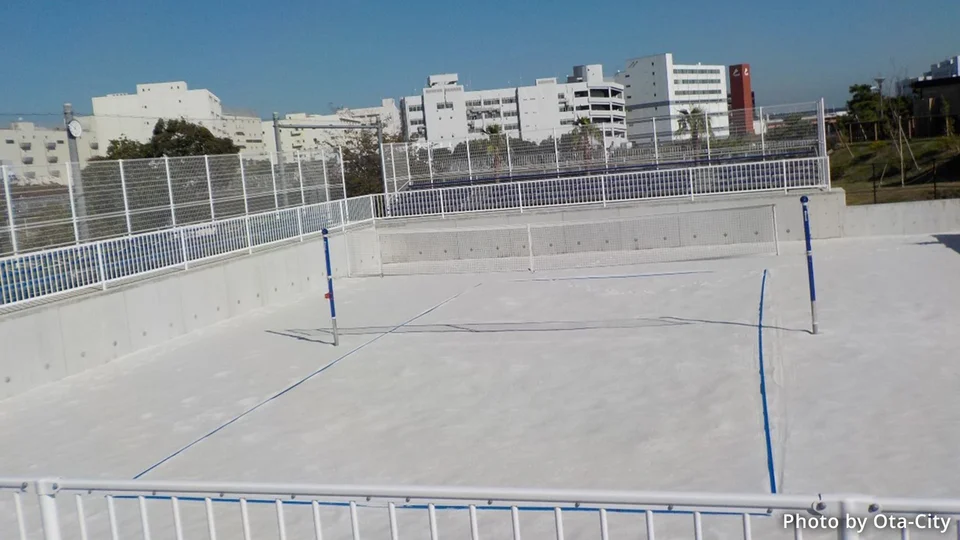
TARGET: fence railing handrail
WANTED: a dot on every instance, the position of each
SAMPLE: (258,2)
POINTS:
(815,504)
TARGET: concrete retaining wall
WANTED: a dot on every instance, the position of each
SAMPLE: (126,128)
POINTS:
(827,210)
(53,341)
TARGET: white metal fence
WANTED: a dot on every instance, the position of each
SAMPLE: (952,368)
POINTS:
(763,133)
(66,509)
(49,205)
(42,274)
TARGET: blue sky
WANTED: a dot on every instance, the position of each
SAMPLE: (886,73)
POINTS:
(302,55)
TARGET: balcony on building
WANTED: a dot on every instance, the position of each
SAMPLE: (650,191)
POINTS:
(24,145)
(51,145)
(28,160)
(52,159)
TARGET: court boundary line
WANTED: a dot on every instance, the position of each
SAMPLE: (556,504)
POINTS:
(298,383)
(614,276)
(763,388)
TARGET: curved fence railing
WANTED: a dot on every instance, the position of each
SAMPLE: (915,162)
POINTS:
(48,273)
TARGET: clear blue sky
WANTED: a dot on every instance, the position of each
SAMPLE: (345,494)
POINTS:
(301,55)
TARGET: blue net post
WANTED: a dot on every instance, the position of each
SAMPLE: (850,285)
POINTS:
(329,295)
(813,289)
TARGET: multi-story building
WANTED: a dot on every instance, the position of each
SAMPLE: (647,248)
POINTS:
(38,155)
(445,111)
(134,115)
(740,100)
(656,87)
(304,138)
(946,69)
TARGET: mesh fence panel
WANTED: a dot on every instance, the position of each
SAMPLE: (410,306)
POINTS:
(657,238)
(225,180)
(258,174)
(41,208)
(148,197)
(191,192)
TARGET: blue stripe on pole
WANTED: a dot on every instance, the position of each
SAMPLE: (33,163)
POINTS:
(806,235)
(763,389)
(326,255)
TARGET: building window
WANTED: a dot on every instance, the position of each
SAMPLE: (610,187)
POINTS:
(581,93)
(491,102)
(683,71)
(473,103)
(512,126)
(509,100)
(628,86)
(11,141)
(510,113)
(567,122)
(416,122)
(696,81)
(415,108)
(444,105)
(697,92)
(561,96)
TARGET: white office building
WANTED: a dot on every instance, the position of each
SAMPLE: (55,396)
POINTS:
(656,87)
(445,111)
(134,115)
(307,139)
(38,155)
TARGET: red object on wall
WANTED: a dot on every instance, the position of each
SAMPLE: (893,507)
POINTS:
(741,99)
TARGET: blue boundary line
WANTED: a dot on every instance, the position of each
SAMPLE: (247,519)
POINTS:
(497,508)
(296,384)
(763,388)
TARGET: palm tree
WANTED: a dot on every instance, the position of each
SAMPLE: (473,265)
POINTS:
(695,123)
(495,143)
(585,135)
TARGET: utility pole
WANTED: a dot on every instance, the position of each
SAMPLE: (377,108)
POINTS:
(74,174)
(880,92)
(276,137)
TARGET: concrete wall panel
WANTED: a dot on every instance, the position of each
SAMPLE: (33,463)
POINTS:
(154,313)
(203,297)
(95,331)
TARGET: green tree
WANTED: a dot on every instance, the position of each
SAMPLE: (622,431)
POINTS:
(362,165)
(172,138)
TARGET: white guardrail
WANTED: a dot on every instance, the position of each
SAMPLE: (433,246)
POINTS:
(42,274)
(86,509)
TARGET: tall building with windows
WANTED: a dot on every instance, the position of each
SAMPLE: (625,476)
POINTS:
(445,111)
(656,87)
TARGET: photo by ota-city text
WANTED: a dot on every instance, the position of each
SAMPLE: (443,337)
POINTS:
(878,521)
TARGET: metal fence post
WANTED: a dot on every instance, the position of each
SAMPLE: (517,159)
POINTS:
(183,248)
(690,170)
(343,177)
(763,133)
(273,177)
(656,146)
(49,517)
(442,212)
(520,197)
(206,165)
(406,156)
(73,204)
(822,134)
(606,157)
(126,203)
(100,267)
(430,161)
(173,212)
(303,199)
(783,165)
(603,189)
(393,167)
(326,185)
(509,158)
(9,200)
(530,246)
(706,127)
(556,151)
(246,203)
(469,164)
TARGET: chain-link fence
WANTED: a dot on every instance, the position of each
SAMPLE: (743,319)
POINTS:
(697,137)
(55,204)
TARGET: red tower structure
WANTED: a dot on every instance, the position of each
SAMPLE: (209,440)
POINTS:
(741,99)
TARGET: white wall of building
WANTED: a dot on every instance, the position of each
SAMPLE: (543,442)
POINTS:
(655,87)
(134,115)
(944,70)
(445,111)
(38,155)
